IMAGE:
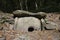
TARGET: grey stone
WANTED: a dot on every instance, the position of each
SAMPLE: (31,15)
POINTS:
(22,24)
(52,25)
(21,13)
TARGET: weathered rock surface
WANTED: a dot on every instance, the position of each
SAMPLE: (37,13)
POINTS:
(22,24)
(21,13)
(53,20)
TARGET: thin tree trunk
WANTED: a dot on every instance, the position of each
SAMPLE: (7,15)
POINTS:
(26,5)
(21,4)
(36,6)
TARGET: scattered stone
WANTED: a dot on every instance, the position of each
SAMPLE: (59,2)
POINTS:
(53,21)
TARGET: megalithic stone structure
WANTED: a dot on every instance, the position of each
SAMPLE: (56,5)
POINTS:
(28,21)
(29,18)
